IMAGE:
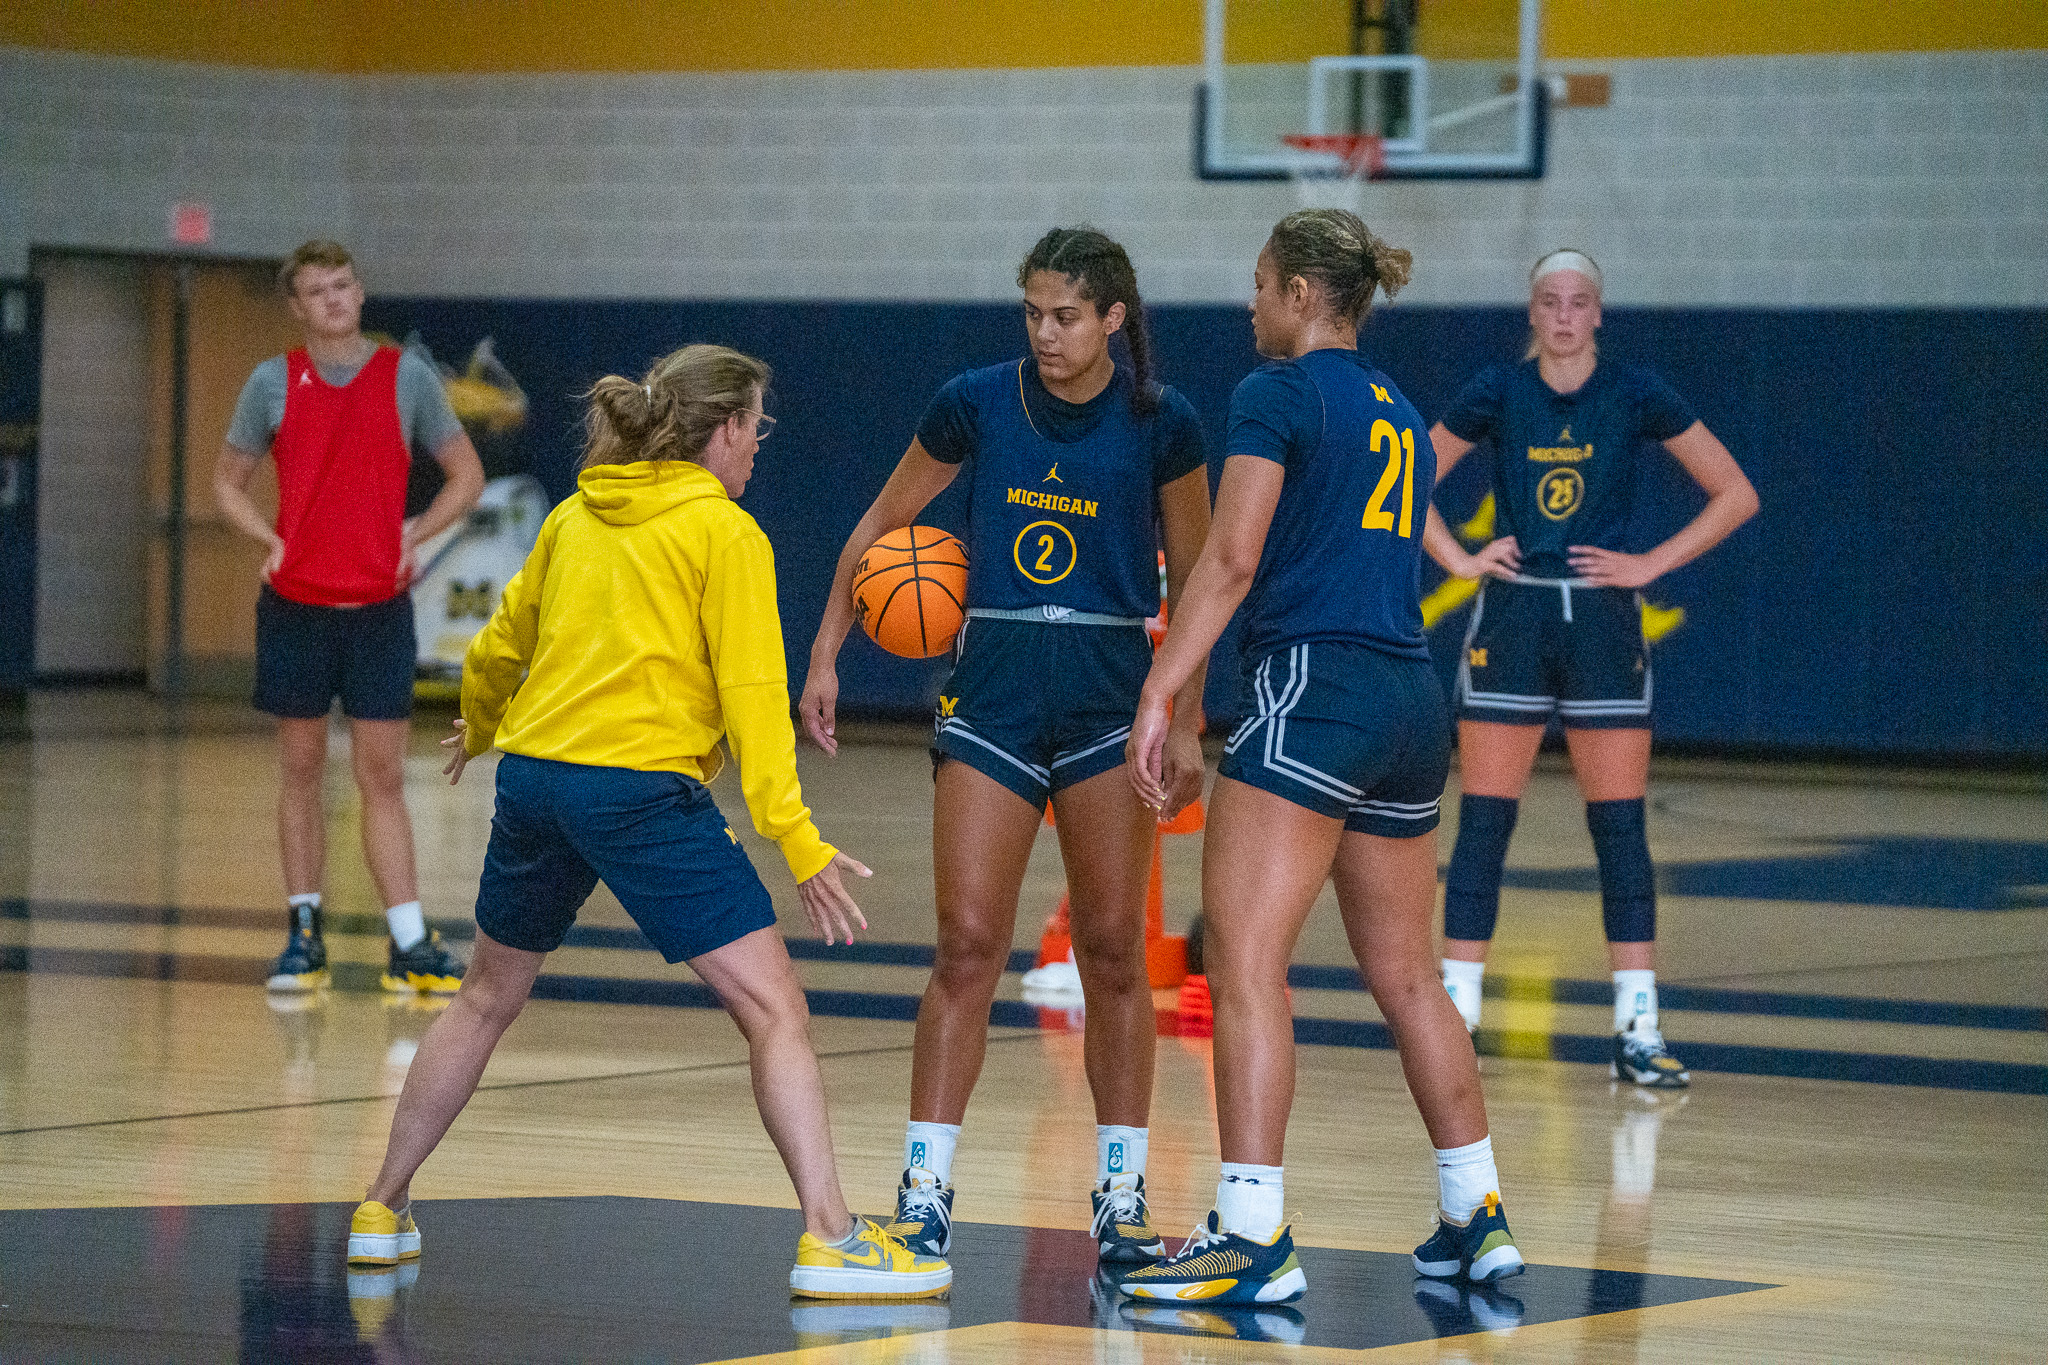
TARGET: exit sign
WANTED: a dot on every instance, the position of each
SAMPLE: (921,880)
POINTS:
(192,224)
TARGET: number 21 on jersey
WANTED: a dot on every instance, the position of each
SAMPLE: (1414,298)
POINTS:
(1400,469)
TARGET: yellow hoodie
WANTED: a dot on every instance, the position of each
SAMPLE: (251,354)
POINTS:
(644,624)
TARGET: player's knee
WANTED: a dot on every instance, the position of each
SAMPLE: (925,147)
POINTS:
(1472,885)
(380,776)
(970,957)
(1111,955)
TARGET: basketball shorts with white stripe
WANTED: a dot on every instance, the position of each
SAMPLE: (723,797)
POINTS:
(1038,706)
(1347,731)
(1534,651)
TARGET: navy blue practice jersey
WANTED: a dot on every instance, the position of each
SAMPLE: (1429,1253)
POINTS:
(1343,559)
(1063,505)
(1563,465)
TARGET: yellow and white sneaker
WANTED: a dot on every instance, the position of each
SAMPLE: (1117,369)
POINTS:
(876,1266)
(377,1236)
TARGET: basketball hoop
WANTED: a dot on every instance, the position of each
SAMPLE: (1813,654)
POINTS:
(1357,157)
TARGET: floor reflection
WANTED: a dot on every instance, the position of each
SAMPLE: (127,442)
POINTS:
(691,1282)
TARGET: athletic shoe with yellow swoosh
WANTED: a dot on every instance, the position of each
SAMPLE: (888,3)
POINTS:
(876,1266)
(1220,1267)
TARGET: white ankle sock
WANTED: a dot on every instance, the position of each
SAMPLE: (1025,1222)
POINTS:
(408,925)
(929,1147)
(852,1236)
(1251,1200)
(1635,998)
(1461,983)
(1120,1153)
(1465,1176)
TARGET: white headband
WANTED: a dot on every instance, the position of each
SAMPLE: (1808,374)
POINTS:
(1566,259)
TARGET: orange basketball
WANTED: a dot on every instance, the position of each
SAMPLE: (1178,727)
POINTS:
(910,591)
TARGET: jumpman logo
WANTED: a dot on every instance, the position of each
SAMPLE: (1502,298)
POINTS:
(1565,435)
(305,376)
(1053,475)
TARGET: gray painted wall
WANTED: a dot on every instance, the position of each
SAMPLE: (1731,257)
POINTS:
(1917,179)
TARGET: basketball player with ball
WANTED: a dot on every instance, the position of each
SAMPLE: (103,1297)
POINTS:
(1078,468)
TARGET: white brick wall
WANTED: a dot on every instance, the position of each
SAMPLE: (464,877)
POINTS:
(1916,179)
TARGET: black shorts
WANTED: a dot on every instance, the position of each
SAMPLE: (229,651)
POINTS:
(1038,706)
(1350,732)
(307,656)
(1536,650)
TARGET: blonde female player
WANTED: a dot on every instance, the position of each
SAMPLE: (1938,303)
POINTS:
(1558,628)
(1338,773)
(640,631)
(1073,460)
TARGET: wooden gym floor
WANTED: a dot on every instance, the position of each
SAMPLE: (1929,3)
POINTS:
(1853,965)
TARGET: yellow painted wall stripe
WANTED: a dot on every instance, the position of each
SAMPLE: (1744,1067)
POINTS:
(783,35)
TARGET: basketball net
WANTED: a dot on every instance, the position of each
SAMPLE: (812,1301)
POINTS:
(1361,157)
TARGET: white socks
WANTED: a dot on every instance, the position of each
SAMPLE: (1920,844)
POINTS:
(1461,983)
(1465,1176)
(408,925)
(929,1147)
(1250,1200)
(1120,1154)
(1635,999)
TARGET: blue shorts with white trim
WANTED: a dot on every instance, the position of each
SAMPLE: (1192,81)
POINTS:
(1538,649)
(1350,732)
(1040,706)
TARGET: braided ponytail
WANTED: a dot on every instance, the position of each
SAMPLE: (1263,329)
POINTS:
(1106,277)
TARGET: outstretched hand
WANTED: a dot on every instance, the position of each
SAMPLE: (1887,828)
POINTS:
(825,899)
(458,757)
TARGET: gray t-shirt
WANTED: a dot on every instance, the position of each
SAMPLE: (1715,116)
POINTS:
(423,412)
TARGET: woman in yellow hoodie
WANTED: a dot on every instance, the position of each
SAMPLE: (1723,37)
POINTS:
(640,632)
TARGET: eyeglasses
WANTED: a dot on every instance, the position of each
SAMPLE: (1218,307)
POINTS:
(764,425)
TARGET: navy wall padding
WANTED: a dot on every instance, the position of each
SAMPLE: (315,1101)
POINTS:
(1887,600)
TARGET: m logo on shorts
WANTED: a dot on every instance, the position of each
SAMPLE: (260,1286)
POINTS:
(946,705)
(1479,658)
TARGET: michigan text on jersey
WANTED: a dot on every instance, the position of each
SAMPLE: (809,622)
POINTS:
(1053,502)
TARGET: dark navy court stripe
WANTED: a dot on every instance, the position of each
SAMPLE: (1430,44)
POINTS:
(1671,995)
(1740,1059)
(1720,1000)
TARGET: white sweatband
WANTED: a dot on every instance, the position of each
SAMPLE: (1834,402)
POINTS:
(1566,260)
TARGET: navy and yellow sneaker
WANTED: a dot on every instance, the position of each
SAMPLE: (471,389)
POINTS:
(1640,1057)
(426,966)
(1122,1226)
(924,1214)
(877,1266)
(302,966)
(382,1236)
(1480,1248)
(1217,1267)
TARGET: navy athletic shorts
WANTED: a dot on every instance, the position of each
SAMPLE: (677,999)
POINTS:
(656,839)
(1038,706)
(307,656)
(1350,732)
(1533,650)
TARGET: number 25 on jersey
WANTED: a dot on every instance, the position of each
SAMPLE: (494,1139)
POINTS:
(1400,469)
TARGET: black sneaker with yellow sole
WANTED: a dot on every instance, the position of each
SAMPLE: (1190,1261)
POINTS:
(426,966)
(302,966)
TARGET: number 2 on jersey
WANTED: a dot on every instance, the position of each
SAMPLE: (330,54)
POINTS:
(1400,466)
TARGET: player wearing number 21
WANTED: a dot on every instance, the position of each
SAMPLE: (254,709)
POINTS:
(1557,627)
(1318,533)
(1072,459)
